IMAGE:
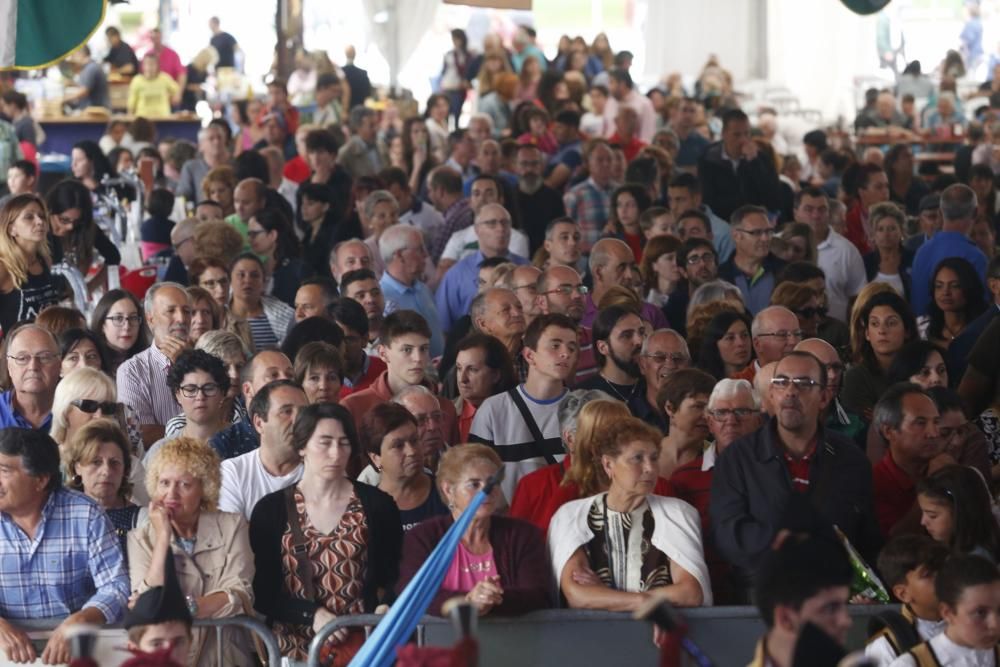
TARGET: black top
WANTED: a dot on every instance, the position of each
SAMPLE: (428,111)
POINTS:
(24,304)
(361,86)
(105,248)
(536,211)
(268,524)
(340,192)
(122,55)
(189,98)
(288,276)
(225,44)
(725,189)
(431,507)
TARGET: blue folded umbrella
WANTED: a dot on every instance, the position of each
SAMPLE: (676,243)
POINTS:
(401,620)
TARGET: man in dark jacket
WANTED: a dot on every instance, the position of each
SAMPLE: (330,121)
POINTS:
(734,173)
(791,459)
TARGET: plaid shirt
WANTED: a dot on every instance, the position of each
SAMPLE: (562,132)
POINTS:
(589,205)
(74,562)
(458,216)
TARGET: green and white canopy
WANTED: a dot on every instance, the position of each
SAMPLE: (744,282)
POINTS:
(38,33)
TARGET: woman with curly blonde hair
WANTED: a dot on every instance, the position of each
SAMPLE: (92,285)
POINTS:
(211,549)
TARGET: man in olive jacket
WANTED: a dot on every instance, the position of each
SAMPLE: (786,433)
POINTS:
(790,459)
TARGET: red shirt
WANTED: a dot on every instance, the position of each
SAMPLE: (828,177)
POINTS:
(296,170)
(855,228)
(631,148)
(375,368)
(798,468)
(465,421)
(635,242)
(586,363)
(361,402)
(893,491)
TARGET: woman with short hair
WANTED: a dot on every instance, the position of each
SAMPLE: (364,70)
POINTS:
(497,566)
(319,370)
(210,548)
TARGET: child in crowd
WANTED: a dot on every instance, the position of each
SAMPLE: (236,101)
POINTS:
(592,123)
(151,93)
(21,178)
(155,230)
(908,565)
(956,510)
(538,133)
(160,620)
(968,588)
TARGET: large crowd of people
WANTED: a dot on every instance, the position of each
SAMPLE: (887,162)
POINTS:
(671,333)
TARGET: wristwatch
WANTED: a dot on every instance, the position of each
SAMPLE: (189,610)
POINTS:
(192,605)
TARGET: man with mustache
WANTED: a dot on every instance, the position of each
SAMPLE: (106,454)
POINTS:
(618,336)
(535,203)
(790,460)
(142,379)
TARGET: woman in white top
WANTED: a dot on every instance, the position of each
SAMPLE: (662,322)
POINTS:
(889,262)
(613,551)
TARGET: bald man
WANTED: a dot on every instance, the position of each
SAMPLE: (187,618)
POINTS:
(458,287)
(837,417)
(775,332)
(249,197)
(613,263)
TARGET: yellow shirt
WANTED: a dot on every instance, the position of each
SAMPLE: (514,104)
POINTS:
(150,98)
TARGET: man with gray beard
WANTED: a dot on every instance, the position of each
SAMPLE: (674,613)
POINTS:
(536,203)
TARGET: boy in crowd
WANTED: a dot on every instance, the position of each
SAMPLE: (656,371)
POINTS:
(908,565)
(160,620)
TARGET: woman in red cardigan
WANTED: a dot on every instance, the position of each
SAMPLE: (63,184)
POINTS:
(499,565)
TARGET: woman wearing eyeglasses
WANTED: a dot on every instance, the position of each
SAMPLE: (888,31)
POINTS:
(200,383)
(85,395)
(118,322)
(75,235)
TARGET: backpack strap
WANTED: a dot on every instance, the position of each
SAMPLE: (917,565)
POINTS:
(300,545)
(529,421)
(924,655)
(892,625)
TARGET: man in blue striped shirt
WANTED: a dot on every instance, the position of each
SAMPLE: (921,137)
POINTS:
(59,556)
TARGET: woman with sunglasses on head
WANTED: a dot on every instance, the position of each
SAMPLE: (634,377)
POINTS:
(200,384)
(86,394)
(119,324)
(75,235)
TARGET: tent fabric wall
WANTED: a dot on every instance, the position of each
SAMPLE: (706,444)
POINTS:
(399,36)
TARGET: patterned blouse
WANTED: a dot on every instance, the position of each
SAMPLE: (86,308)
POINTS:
(621,552)
(338,564)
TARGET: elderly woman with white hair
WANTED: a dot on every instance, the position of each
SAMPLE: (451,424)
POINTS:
(84,395)
(734,410)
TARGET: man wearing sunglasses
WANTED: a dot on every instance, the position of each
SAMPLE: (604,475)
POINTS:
(791,459)
(33,364)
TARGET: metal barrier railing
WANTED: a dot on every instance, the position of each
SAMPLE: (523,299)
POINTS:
(255,626)
(694,617)
(249,623)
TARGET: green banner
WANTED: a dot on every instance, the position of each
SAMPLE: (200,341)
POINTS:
(48,30)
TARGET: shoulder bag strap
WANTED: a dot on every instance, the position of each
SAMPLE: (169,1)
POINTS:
(529,421)
(300,546)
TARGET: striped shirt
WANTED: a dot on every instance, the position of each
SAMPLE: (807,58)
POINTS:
(142,385)
(590,205)
(499,424)
(262,333)
(73,562)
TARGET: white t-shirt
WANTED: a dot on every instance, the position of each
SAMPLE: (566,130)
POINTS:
(245,482)
(845,273)
(464,242)
(499,424)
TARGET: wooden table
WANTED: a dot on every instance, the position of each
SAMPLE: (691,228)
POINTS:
(62,132)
